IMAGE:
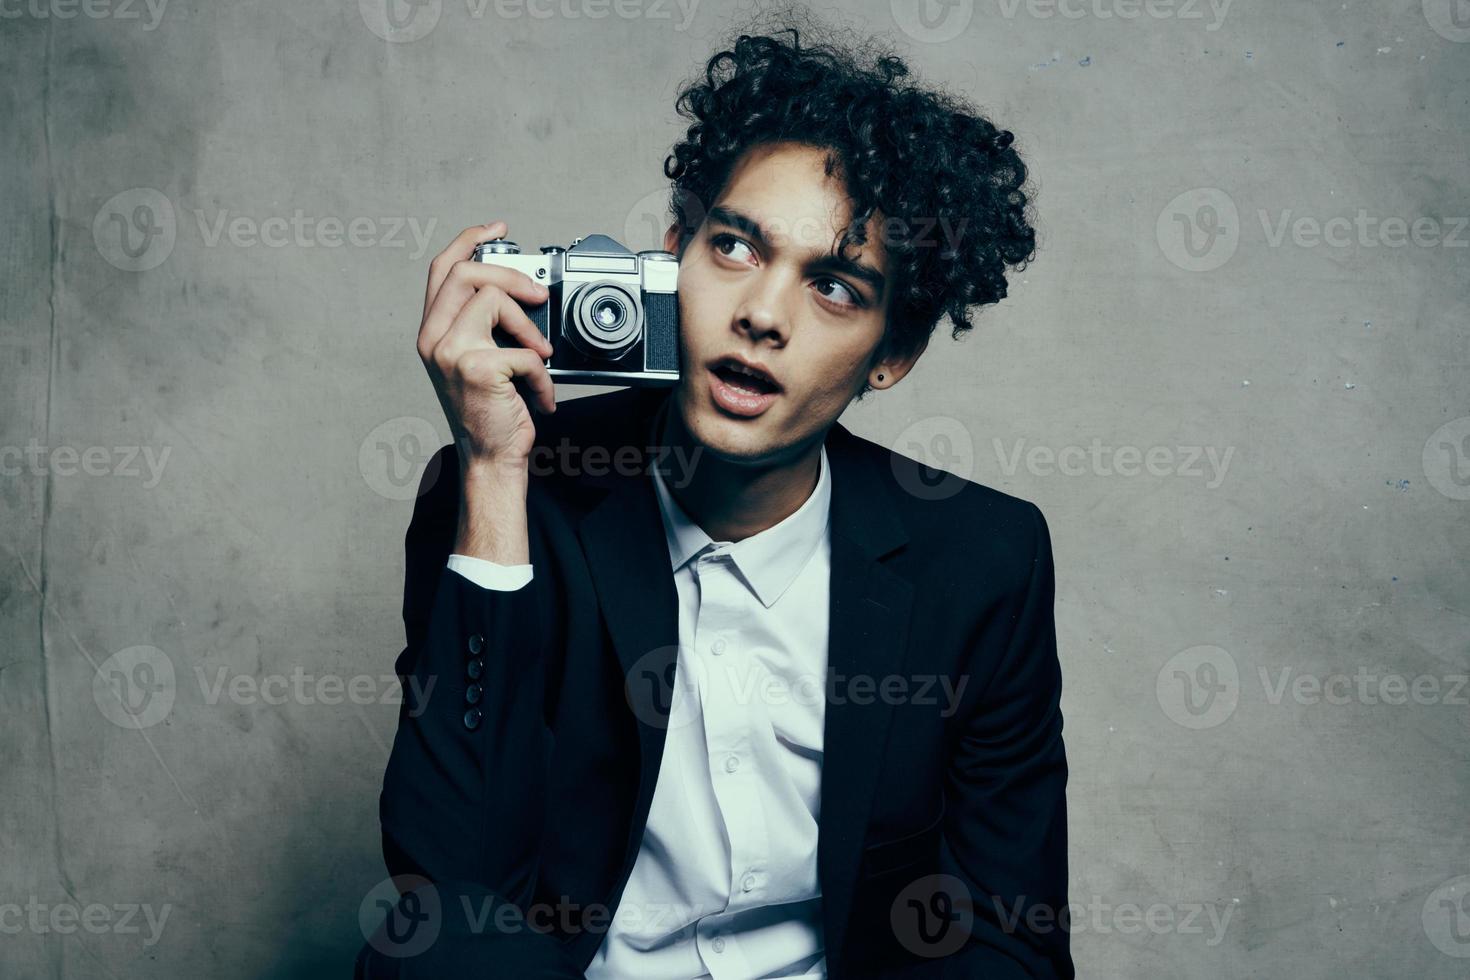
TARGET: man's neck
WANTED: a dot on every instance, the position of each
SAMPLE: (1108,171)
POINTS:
(730,501)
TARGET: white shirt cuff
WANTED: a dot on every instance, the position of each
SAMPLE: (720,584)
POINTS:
(489,574)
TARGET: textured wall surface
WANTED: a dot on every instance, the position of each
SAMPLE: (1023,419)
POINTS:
(1235,380)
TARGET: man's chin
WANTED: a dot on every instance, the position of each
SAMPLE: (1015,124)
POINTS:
(745,442)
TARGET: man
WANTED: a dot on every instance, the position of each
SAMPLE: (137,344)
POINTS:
(712,686)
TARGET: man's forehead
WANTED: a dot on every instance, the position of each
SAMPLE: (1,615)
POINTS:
(785,191)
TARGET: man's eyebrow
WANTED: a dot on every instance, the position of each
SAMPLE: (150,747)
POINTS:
(831,262)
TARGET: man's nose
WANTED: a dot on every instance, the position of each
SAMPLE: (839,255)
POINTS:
(761,314)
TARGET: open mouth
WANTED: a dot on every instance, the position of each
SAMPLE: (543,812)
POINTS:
(745,380)
(742,389)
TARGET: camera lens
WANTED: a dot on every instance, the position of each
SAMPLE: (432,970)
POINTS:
(608,314)
(603,320)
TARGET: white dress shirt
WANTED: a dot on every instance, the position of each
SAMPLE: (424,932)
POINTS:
(725,882)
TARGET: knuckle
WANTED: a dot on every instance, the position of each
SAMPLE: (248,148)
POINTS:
(471,366)
(443,360)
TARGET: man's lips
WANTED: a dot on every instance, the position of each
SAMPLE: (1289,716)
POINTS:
(739,394)
(748,375)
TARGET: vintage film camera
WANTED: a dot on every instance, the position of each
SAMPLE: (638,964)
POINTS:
(612,316)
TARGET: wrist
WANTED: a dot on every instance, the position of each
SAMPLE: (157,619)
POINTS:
(496,474)
(492,514)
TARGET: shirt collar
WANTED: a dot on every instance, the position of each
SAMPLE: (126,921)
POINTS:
(768,561)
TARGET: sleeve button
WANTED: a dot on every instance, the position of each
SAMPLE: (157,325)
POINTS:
(473,693)
(477,644)
(475,668)
(472,719)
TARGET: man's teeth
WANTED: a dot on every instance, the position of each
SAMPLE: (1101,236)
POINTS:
(745,380)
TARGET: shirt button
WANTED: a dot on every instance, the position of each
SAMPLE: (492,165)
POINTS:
(732,762)
(473,693)
(477,643)
(472,719)
(717,647)
(475,668)
(718,945)
(747,883)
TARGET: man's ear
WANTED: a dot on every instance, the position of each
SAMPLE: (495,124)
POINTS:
(671,238)
(888,369)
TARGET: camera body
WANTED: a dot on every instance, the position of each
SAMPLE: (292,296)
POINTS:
(612,315)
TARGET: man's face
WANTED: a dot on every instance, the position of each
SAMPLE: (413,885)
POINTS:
(759,281)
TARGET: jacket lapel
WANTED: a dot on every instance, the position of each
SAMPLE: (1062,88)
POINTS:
(628,559)
(867,637)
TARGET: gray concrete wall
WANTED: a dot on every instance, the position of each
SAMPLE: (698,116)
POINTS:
(1234,380)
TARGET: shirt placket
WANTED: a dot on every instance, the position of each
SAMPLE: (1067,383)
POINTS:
(733,762)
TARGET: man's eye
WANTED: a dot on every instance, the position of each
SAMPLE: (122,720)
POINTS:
(840,295)
(721,242)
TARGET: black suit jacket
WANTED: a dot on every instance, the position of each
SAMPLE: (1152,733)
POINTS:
(942,834)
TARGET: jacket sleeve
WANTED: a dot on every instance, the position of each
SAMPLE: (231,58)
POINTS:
(1006,828)
(463,791)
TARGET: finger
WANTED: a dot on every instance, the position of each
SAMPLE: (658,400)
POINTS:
(489,310)
(466,279)
(484,368)
(532,370)
(462,247)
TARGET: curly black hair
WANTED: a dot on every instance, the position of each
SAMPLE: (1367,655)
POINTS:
(946,182)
